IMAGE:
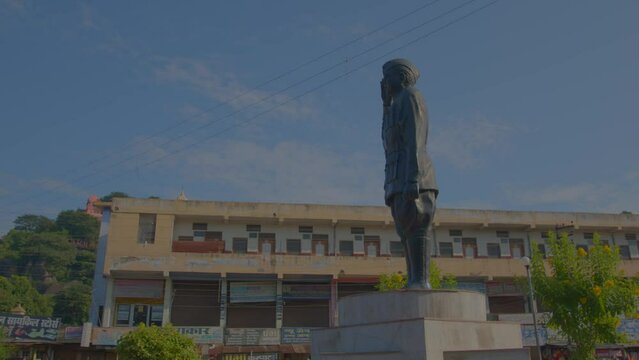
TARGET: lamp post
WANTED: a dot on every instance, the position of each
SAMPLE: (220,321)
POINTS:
(526,261)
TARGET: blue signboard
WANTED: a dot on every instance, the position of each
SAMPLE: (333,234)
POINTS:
(296,335)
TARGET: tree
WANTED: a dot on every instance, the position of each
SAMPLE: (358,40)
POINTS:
(79,225)
(83,267)
(34,223)
(396,281)
(585,293)
(72,304)
(39,255)
(156,343)
(114,194)
(5,348)
(20,290)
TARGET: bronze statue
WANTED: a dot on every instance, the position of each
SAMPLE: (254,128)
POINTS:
(410,187)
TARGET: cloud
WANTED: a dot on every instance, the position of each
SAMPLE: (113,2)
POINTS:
(17,5)
(462,141)
(288,171)
(614,195)
(223,86)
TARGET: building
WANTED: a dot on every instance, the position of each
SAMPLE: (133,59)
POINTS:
(253,278)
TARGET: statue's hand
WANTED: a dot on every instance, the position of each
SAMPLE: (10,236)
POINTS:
(386,98)
(411,192)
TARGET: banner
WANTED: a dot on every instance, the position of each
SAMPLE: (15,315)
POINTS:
(202,334)
(247,336)
(23,327)
(242,292)
(296,335)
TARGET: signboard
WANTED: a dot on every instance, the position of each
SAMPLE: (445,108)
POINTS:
(108,336)
(245,336)
(242,292)
(73,333)
(252,356)
(202,334)
(22,327)
(306,291)
(630,327)
(296,335)
(528,335)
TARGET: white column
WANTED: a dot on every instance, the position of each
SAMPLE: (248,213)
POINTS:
(168,300)
(223,302)
(108,304)
(279,303)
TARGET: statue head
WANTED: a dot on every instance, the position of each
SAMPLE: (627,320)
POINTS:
(399,74)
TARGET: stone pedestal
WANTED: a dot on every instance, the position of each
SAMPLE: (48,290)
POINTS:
(417,324)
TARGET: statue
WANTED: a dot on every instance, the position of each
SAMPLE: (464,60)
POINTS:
(410,187)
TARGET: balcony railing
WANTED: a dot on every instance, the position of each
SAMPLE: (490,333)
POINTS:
(214,246)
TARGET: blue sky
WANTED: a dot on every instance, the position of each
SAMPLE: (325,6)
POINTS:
(532,104)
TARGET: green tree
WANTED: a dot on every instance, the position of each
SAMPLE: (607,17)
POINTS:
(114,194)
(20,290)
(79,225)
(40,255)
(156,343)
(34,223)
(72,304)
(585,293)
(83,267)
(6,350)
(395,281)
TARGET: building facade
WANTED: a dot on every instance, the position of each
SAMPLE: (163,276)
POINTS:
(254,278)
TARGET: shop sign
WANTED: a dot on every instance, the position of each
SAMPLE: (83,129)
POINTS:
(22,327)
(73,333)
(306,291)
(202,334)
(108,336)
(528,335)
(242,292)
(252,356)
(630,327)
(247,336)
(296,335)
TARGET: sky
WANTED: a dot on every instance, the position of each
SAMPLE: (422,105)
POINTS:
(532,104)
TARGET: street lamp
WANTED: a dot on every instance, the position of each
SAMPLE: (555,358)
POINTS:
(526,261)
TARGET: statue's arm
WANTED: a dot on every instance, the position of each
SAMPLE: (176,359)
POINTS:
(413,117)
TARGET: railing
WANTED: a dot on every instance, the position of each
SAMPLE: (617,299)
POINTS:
(214,246)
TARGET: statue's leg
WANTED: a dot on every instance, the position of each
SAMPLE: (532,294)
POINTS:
(420,240)
(402,220)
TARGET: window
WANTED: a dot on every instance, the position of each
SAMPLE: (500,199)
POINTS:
(146,229)
(357,230)
(293,246)
(503,234)
(123,315)
(253,228)
(396,249)
(624,252)
(454,232)
(134,314)
(493,250)
(588,236)
(545,234)
(266,243)
(305,229)
(631,237)
(346,248)
(446,249)
(240,245)
(372,248)
(200,226)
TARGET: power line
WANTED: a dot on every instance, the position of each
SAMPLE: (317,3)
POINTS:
(261,85)
(242,123)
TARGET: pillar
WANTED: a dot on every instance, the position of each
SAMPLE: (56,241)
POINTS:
(223,297)
(107,314)
(168,300)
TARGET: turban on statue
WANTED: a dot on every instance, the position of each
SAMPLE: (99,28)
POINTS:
(402,65)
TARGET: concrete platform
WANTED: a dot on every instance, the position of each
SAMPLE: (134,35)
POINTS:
(417,324)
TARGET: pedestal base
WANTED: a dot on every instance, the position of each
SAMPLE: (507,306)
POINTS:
(415,333)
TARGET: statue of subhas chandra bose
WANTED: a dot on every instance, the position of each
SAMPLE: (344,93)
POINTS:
(410,187)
